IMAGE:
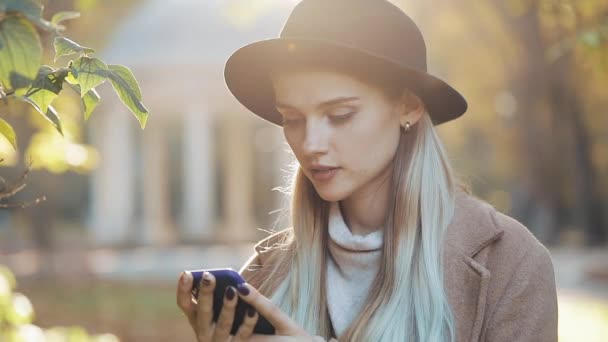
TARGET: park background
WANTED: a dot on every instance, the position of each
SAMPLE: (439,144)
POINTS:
(127,209)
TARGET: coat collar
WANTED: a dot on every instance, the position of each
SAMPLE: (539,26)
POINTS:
(472,227)
(466,277)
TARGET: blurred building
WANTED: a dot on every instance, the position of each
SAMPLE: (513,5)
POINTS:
(204,166)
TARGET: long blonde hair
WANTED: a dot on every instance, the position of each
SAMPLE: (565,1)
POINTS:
(407,300)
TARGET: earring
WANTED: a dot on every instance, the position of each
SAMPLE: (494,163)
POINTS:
(406,128)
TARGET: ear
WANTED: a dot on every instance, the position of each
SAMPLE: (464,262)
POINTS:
(410,108)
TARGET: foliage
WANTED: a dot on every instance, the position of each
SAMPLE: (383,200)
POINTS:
(24,78)
(17,315)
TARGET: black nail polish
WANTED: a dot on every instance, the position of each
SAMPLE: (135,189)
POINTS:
(250,311)
(230,292)
(243,289)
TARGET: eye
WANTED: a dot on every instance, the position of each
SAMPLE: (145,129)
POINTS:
(341,117)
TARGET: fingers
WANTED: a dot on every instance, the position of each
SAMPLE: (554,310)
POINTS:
(246,328)
(204,307)
(226,318)
(184,297)
(265,307)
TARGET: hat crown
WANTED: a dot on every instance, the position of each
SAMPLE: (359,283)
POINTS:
(377,26)
(374,36)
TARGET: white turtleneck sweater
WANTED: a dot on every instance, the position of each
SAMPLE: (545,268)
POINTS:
(353,264)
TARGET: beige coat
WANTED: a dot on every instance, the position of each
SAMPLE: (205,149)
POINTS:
(499,278)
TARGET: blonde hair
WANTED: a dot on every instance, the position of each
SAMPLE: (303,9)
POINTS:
(407,300)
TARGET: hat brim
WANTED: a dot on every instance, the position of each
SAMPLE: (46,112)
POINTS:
(246,74)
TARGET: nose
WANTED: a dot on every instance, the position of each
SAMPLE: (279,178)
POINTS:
(316,140)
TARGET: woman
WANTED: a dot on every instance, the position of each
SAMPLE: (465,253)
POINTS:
(385,245)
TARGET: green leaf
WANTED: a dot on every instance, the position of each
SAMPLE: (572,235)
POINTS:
(47,86)
(90,72)
(8,132)
(65,47)
(20,53)
(50,114)
(30,8)
(62,16)
(90,101)
(71,79)
(47,26)
(127,88)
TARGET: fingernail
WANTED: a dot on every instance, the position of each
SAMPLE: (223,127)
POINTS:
(230,292)
(185,278)
(250,311)
(206,280)
(243,289)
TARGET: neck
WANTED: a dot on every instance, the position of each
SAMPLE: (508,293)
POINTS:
(365,210)
(352,266)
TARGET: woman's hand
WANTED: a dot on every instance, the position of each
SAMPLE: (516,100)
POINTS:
(200,312)
(285,328)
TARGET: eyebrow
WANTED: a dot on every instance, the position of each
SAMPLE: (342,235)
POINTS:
(322,104)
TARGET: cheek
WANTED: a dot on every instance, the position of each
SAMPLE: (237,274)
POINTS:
(371,147)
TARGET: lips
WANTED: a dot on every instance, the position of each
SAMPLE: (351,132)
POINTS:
(323,168)
(324,174)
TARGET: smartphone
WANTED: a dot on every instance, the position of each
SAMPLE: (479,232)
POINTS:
(225,277)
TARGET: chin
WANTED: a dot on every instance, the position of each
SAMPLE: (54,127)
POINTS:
(331,194)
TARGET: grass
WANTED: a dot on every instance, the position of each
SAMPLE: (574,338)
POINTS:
(132,311)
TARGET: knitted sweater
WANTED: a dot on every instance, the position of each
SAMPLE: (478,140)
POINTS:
(352,266)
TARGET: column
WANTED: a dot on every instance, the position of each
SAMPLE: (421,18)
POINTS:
(199,174)
(112,183)
(237,159)
(156,226)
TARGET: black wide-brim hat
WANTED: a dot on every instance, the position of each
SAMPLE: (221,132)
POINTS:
(370,35)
